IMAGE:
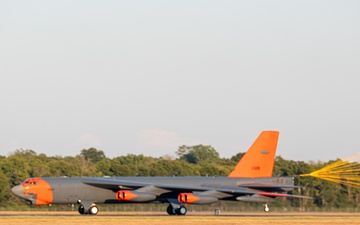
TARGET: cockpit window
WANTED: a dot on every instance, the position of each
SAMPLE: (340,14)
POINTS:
(30,182)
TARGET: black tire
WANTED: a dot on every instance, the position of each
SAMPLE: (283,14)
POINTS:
(182,210)
(82,210)
(170,210)
(93,210)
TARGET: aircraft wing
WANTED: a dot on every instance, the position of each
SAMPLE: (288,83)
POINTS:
(159,189)
(113,184)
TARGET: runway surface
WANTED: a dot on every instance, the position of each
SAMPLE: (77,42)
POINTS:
(193,214)
(159,218)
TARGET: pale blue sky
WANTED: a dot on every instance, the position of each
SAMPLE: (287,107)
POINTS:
(144,77)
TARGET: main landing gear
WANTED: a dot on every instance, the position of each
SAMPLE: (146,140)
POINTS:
(93,210)
(181,210)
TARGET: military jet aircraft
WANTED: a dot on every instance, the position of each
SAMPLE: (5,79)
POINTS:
(250,181)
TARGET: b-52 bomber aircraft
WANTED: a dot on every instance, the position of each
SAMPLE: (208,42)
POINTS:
(250,181)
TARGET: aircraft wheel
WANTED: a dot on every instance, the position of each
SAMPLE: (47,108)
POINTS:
(266,208)
(181,210)
(170,210)
(82,210)
(93,210)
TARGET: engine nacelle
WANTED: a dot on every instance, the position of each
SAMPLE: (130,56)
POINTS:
(190,198)
(134,196)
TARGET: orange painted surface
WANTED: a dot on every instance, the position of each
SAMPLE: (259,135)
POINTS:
(272,194)
(40,189)
(259,160)
(125,195)
(187,198)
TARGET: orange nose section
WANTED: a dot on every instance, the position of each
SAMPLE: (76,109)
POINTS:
(40,189)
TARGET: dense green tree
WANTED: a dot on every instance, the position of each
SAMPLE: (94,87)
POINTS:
(93,154)
(17,168)
(198,153)
(236,158)
(105,167)
(4,186)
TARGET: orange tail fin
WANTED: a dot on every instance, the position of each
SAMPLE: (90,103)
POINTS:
(259,160)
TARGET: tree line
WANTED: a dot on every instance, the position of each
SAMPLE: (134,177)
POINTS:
(199,160)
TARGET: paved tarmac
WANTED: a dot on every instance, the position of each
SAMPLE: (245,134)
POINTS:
(146,214)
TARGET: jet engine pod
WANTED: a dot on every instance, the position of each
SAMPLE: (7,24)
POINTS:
(134,196)
(191,198)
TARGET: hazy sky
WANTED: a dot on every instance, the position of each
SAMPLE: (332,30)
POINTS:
(144,77)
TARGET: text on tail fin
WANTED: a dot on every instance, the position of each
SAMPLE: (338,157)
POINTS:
(259,160)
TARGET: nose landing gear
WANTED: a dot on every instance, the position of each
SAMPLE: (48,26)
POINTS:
(93,210)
